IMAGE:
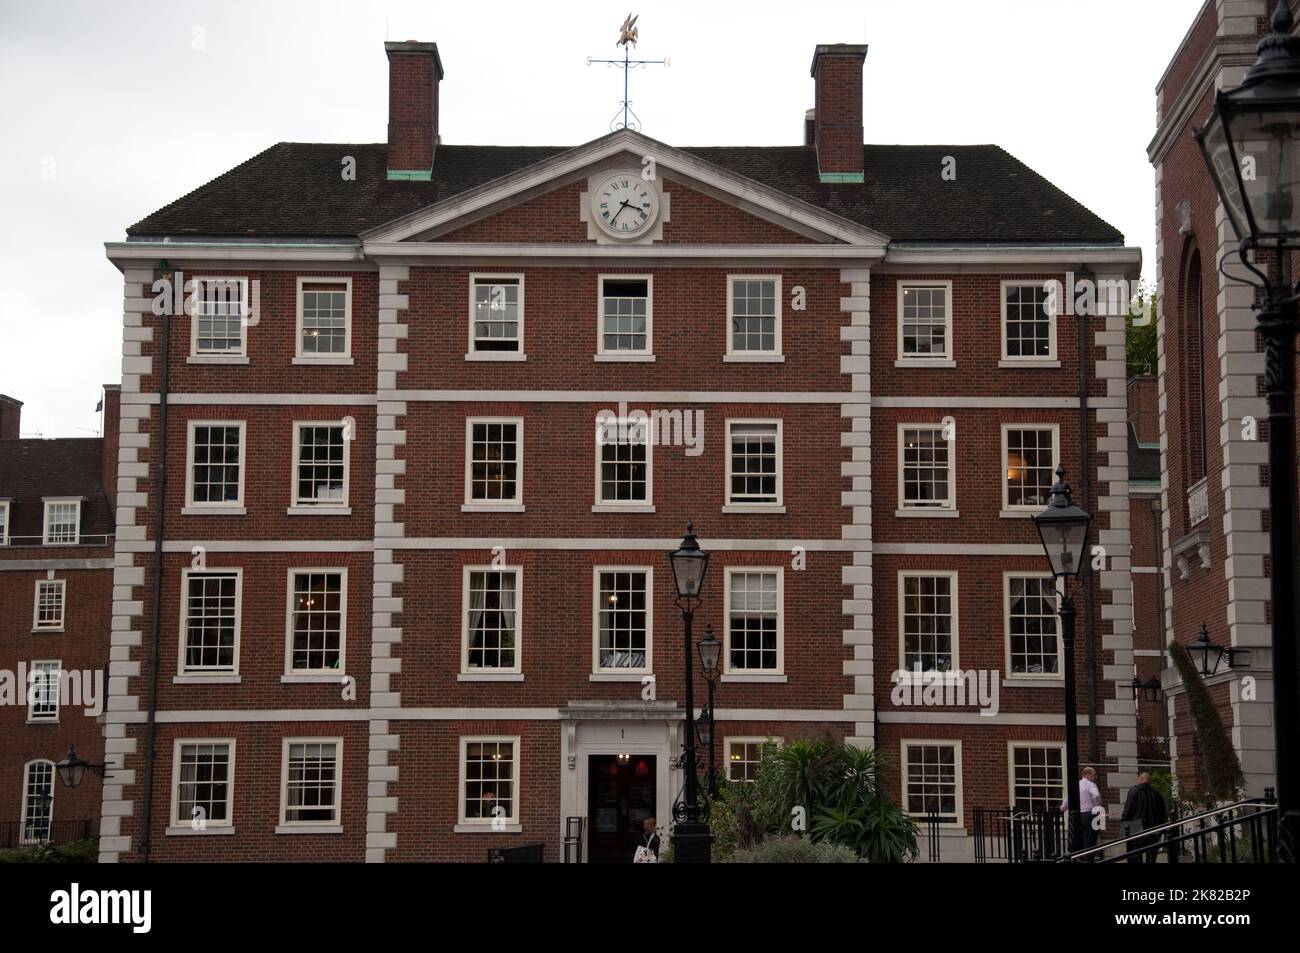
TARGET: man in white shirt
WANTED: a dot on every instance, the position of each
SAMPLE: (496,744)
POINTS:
(1089,799)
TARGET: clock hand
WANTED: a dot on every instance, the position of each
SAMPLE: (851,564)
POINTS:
(622,205)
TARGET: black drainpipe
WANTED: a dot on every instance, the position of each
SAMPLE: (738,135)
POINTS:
(1085,488)
(159,496)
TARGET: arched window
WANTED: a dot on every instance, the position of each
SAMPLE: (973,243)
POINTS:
(38,801)
(1191,350)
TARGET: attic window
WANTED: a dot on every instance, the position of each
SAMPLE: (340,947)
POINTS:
(4,522)
(62,522)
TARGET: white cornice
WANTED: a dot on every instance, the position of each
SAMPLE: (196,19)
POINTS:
(399,252)
(1047,257)
(746,192)
(128,254)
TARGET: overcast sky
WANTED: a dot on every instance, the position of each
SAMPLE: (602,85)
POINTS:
(111,110)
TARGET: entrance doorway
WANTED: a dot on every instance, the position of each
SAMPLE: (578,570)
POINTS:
(620,796)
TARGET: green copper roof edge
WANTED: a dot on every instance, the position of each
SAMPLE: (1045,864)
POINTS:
(842,177)
(411,175)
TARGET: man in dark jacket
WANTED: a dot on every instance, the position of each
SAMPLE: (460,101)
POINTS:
(1144,808)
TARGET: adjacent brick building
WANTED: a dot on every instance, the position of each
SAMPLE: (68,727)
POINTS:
(1212,411)
(56,568)
(408,601)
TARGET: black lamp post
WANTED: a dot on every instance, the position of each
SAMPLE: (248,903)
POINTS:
(710,650)
(1251,145)
(1063,528)
(72,768)
(691,837)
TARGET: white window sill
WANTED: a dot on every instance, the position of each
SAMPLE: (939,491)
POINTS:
(488,829)
(209,831)
(625,358)
(313,678)
(633,676)
(216,359)
(309,828)
(318,510)
(492,507)
(214,510)
(753,508)
(1017,514)
(935,513)
(496,356)
(1046,363)
(65,542)
(919,362)
(334,360)
(42,721)
(623,508)
(490,677)
(1034,681)
(48,631)
(775,678)
(753,358)
(225,678)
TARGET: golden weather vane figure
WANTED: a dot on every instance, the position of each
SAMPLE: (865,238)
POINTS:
(627,38)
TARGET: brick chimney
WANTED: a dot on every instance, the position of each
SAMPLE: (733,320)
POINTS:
(11,413)
(414,71)
(108,454)
(837,110)
(1144,408)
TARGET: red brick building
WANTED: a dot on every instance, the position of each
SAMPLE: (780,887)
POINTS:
(409,599)
(1213,414)
(56,569)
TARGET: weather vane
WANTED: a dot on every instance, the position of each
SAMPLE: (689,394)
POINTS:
(627,37)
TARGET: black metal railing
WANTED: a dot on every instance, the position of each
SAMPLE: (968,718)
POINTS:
(572,847)
(932,837)
(523,854)
(1009,835)
(1244,832)
(20,834)
(84,540)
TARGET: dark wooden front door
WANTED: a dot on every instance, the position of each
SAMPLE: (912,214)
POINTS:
(620,796)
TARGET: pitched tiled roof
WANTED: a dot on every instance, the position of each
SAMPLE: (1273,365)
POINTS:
(33,469)
(295,190)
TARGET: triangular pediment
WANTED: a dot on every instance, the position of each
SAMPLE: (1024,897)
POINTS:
(696,201)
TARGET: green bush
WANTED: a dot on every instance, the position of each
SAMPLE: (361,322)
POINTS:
(75,852)
(789,849)
(1220,769)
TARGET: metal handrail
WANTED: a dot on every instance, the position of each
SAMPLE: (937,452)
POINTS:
(1263,804)
(85,539)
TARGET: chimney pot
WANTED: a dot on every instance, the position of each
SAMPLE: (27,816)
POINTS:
(837,111)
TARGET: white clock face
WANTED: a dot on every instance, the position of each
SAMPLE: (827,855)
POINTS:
(625,205)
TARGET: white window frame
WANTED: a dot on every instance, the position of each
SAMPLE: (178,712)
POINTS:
(955,743)
(177,825)
(472,505)
(748,674)
(331,676)
(61,586)
(231,508)
(301,507)
(516,672)
(946,359)
(1053,677)
(209,675)
(729,740)
(1012,745)
(952,576)
(778,505)
(1007,508)
(1051,359)
(26,802)
(471,353)
(4,522)
(58,692)
(949,507)
(506,824)
(777,355)
(300,356)
(45,519)
(219,357)
(627,506)
(647,353)
(334,826)
(622,674)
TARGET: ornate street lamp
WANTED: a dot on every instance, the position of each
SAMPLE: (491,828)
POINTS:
(1210,655)
(1063,528)
(1251,146)
(710,650)
(691,837)
(72,768)
(1150,690)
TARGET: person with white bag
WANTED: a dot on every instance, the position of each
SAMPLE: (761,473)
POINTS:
(648,853)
